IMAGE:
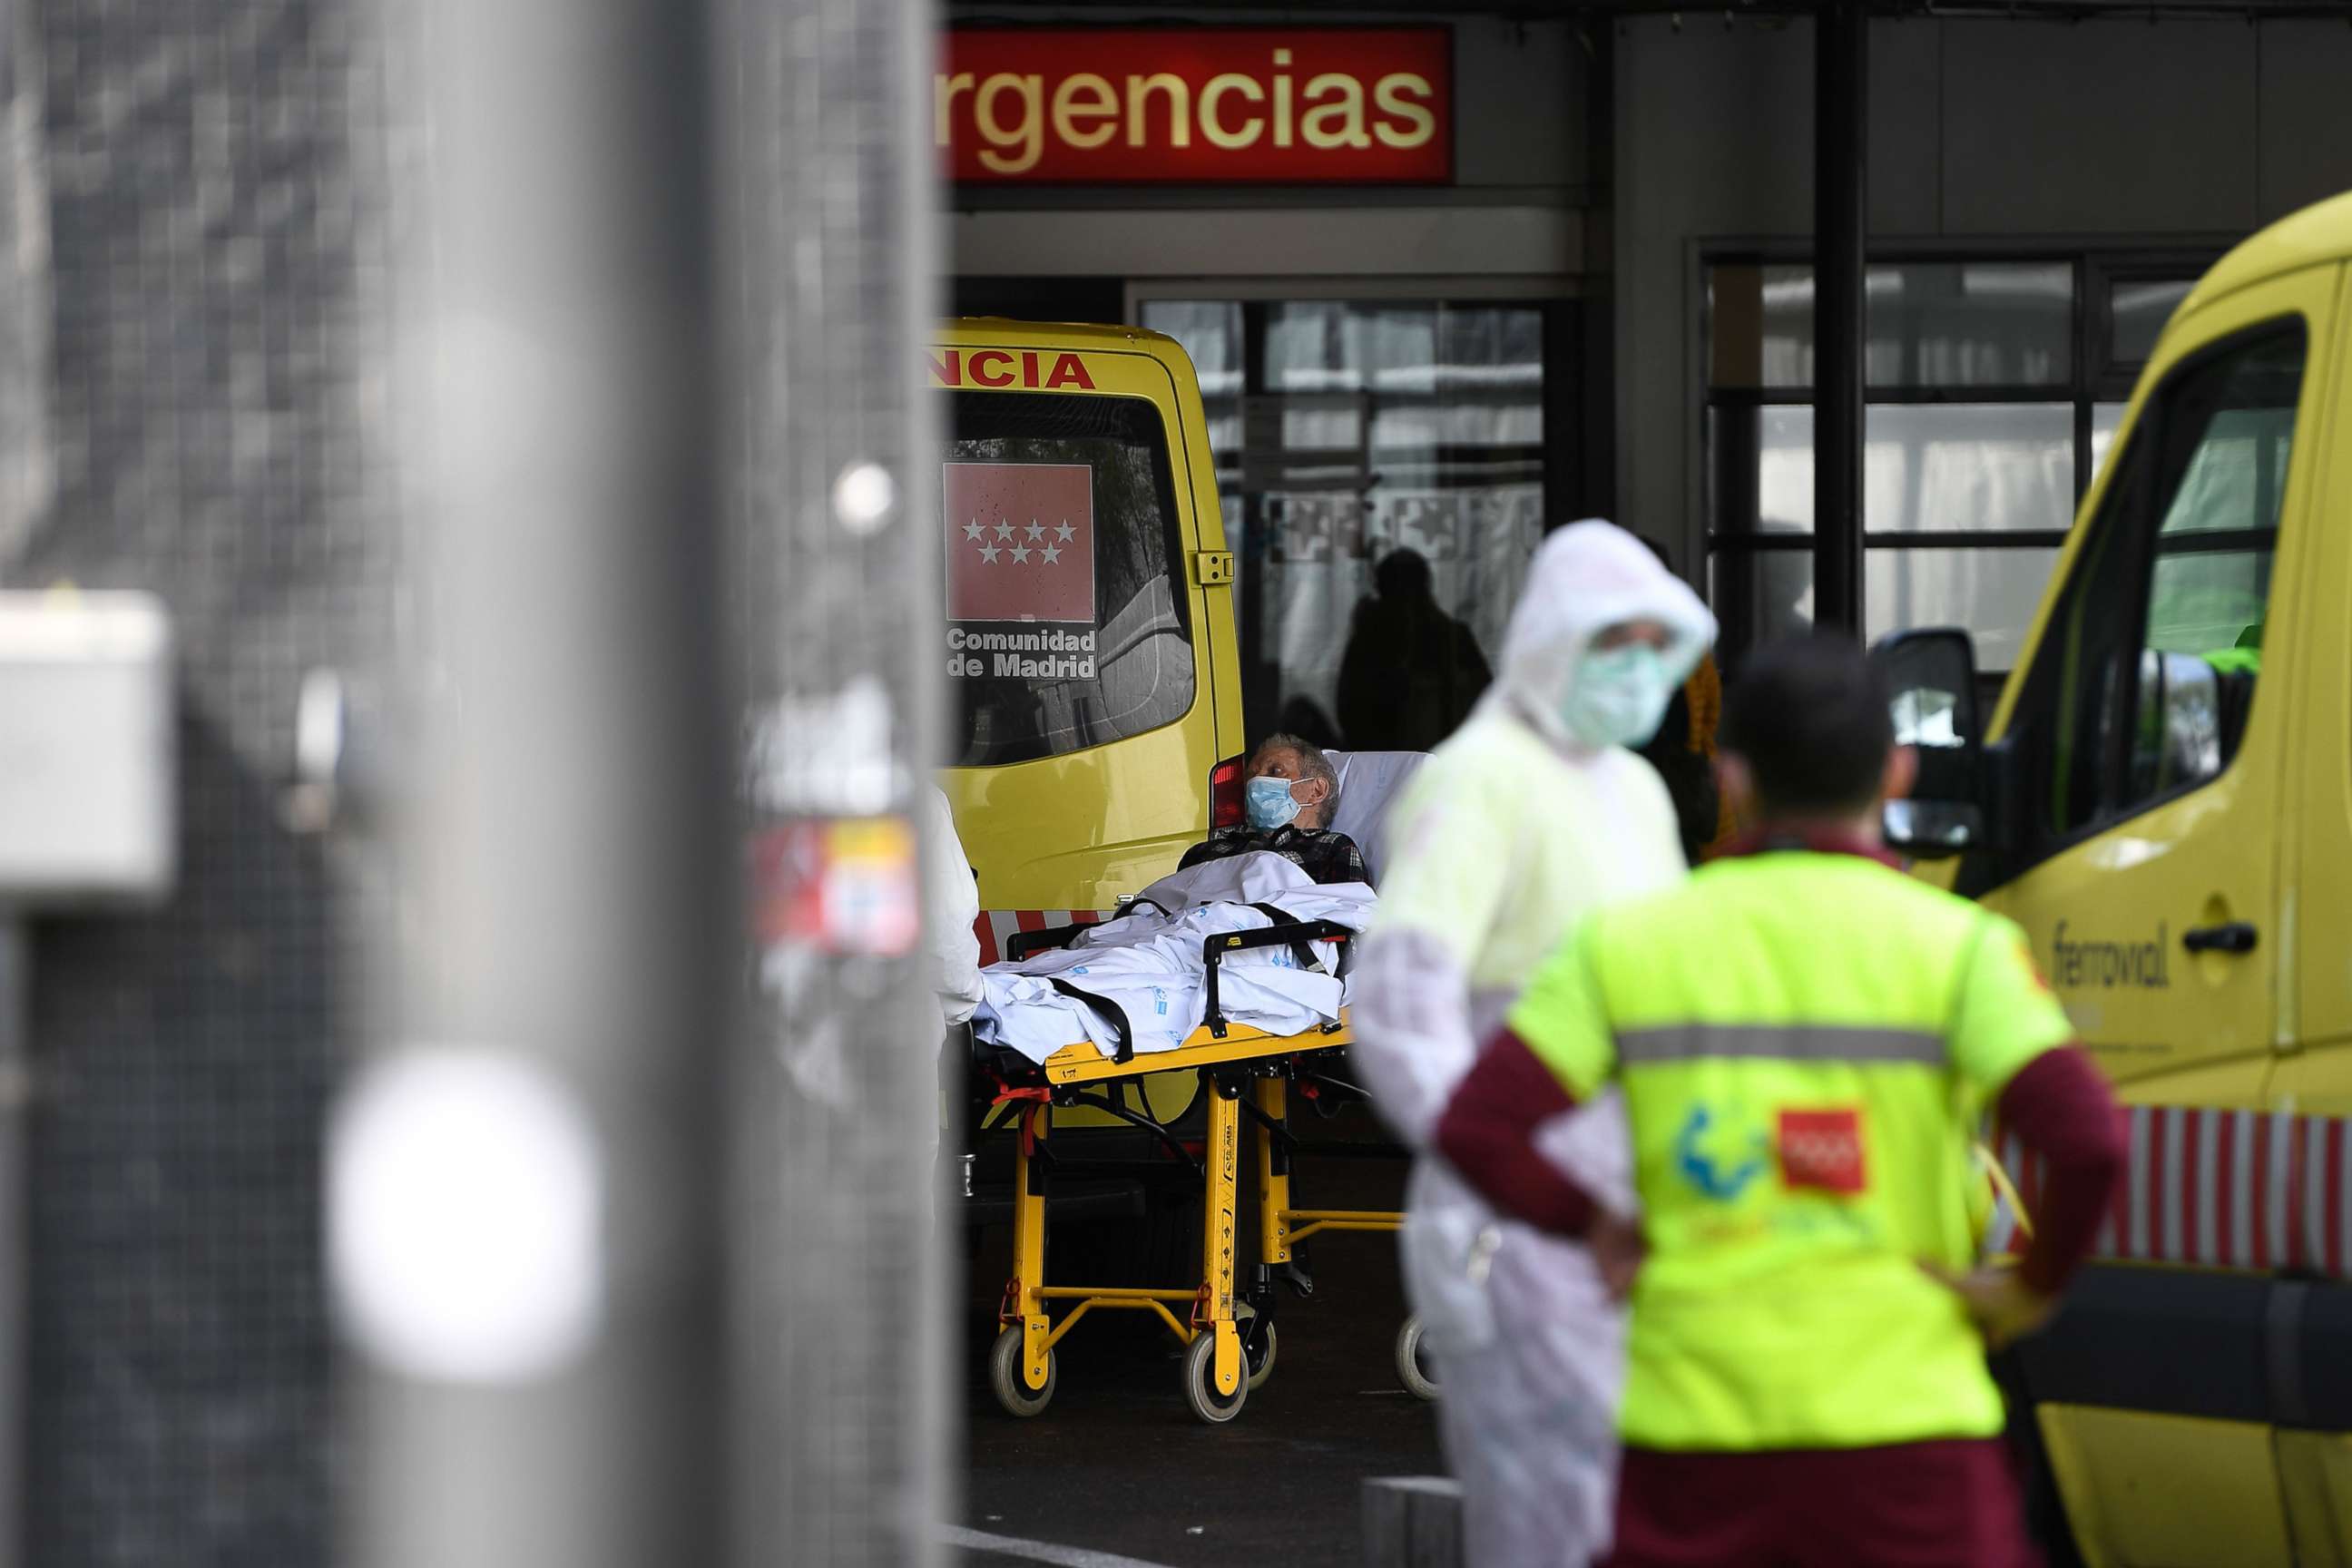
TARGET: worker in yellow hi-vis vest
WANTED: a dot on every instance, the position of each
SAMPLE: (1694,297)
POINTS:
(1535,812)
(1806,1039)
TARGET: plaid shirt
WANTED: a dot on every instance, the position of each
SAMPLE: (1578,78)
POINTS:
(1326,856)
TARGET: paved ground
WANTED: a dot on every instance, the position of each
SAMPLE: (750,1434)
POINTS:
(1119,1464)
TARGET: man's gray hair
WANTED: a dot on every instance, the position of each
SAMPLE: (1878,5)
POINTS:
(1312,764)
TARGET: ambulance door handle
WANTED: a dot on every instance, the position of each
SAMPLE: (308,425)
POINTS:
(2235,936)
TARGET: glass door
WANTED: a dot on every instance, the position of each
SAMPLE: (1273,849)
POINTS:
(1383,473)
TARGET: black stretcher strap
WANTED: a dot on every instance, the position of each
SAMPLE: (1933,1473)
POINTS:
(1109,1009)
(1301,949)
(1297,935)
(1026,944)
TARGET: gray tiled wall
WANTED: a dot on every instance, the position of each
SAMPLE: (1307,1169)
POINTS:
(214,210)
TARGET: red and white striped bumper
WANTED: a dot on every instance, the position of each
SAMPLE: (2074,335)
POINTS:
(2223,1189)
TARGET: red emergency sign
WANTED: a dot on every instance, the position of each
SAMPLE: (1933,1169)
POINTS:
(1206,105)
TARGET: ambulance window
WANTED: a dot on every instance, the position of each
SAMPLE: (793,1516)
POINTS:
(2084,653)
(2146,676)
(1067,623)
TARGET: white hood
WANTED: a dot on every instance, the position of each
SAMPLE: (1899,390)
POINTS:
(1586,577)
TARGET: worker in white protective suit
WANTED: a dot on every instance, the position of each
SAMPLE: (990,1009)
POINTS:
(952,900)
(951,916)
(1532,813)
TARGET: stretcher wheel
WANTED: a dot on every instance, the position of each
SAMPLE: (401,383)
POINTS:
(1261,1360)
(1004,1379)
(1201,1382)
(1412,1368)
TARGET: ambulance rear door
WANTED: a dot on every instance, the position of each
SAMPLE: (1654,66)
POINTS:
(1082,645)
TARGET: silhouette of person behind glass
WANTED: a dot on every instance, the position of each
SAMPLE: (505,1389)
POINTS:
(1412,672)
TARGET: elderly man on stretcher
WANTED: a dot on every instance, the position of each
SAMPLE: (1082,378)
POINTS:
(1139,983)
(1236,964)
(1289,802)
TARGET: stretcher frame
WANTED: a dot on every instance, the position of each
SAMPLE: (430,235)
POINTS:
(1246,1073)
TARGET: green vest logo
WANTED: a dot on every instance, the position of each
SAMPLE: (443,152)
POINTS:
(1706,1165)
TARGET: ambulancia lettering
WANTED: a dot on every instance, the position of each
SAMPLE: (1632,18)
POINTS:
(1026,368)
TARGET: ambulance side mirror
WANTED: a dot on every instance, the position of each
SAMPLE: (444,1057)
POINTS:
(1931,677)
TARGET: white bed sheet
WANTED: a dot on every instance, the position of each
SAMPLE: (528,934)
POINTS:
(1147,963)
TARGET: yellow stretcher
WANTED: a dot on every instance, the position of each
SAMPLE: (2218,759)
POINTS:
(1247,1074)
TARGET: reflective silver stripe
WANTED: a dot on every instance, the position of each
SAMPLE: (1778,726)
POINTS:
(2175,1249)
(2280,1179)
(2315,1194)
(2242,1190)
(1786,1042)
(2208,1187)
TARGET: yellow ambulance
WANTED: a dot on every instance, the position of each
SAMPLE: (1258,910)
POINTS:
(2163,798)
(1094,683)
(1093,676)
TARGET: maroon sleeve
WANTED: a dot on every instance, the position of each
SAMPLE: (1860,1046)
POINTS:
(1488,1133)
(2060,1108)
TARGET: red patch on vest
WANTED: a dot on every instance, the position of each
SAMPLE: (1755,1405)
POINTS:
(1822,1150)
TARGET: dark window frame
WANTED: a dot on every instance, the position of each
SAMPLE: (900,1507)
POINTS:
(1167,438)
(2095,376)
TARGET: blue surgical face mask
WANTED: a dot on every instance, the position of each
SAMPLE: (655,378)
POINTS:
(1269,804)
(1619,697)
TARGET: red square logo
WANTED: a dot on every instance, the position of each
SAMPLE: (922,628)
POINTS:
(1822,1150)
(1021,541)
